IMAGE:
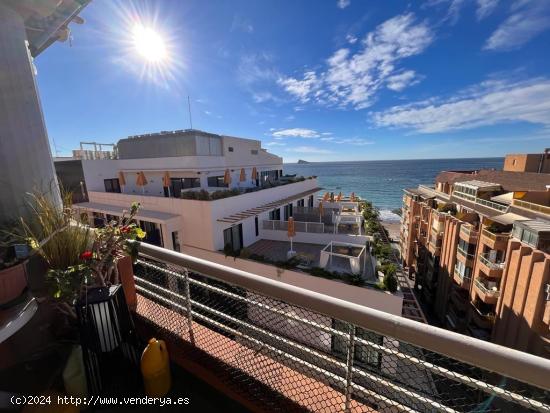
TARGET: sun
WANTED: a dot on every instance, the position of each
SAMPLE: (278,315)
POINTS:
(149,44)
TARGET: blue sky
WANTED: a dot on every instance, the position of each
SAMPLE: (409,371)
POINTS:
(316,80)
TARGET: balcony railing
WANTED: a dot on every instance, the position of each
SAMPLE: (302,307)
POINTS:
(531,206)
(299,226)
(486,290)
(468,230)
(321,353)
(495,236)
(462,276)
(484,258)
(464,253)
(480,201)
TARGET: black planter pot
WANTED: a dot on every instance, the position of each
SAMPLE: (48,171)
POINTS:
(109,343)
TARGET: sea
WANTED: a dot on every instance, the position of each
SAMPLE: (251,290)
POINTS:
(382,182)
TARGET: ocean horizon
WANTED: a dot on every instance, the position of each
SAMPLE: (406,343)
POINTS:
(383,182)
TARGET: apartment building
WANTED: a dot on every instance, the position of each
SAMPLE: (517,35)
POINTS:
(478,245)
(195,188)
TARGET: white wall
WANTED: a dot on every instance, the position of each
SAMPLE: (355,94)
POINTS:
(313,238)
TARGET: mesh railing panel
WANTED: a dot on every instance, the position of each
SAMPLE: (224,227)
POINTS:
(291,358)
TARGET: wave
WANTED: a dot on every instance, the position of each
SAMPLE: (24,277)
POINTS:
(387,216)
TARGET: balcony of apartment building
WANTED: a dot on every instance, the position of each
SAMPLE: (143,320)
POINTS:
(482,319)
(465,253)
(462,275)
(487,289)
(534,202)
(491,262)
(434,245)
(468,232)
(480,194)
(274,346)
(495,237)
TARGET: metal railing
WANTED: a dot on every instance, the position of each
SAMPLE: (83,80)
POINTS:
(495,237)
(462,252)
(299,226)
(531,206)
(468,230)
(480,201)
(323,353)
(491,264)
(481,285)
(462,276)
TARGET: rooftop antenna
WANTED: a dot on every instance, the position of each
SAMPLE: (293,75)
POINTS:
(189,107)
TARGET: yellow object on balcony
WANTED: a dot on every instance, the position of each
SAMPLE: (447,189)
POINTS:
(155,368)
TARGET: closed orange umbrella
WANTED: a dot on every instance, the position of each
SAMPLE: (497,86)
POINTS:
(254,174)
(227,177)
(352,197)
(320,210)
(242,176)
(166,180)
(121,179)
(326,196)
(339,197)
(291,232)
(141,181)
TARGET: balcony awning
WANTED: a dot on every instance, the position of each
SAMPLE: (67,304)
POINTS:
(504,198)
(239,216)
(143,214)
(508,219)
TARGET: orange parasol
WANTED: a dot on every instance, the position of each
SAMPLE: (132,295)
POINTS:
(166,180)
(291,229)
(320,210)
(141,180)
(227,177)
(352,197)
(326,196)
(242,176)
(339,197)
(121,179)
(254,174)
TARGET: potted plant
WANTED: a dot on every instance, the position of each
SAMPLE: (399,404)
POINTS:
(13,261)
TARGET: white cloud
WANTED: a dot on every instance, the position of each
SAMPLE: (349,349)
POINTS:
(309,149)
(352,79)
(342,4)
(353,141)
(351,39)
(296,133)
(527,20)
(275,144)
(300,88)
(402,80)
(327,139)
(486,104)
(485,8)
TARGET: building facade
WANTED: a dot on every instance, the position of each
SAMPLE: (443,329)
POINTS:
(477,245)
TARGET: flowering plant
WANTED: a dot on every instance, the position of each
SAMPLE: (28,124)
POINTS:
(97,266)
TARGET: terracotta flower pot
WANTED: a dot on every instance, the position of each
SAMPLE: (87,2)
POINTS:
(126,275)
(13,282)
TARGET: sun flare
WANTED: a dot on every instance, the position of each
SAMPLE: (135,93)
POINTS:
(148,43)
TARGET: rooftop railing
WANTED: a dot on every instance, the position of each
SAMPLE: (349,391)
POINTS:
(480,201)
(531,206)
(495,236)
(299,226)
(322,353)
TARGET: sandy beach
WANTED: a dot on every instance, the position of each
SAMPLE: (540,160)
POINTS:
(393,229)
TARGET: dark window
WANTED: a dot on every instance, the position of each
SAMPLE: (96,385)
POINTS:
(257,226)
(310,201)
(153,234)
(178,184)
(254,151)
(112,185)
(176,241)
(300,203)
(275,215)
(230,149)
(288,211)
(234,237)
(216,181)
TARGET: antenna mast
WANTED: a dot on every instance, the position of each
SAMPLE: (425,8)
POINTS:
(189,107)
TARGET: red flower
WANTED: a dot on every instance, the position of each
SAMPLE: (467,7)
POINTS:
(86,255)
(125,229)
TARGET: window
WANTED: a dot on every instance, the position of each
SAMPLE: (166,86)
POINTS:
(176,241)
(179,184)
(254,151)
(288,211)
(310,201)
(275,215)
(112,185)
(257,225)
(230,149)
(153,233)
(216,181)
(233,237)
(300,203)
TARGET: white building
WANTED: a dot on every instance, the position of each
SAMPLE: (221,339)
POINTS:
(194,161)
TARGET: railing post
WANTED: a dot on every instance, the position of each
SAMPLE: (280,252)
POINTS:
(349,362)
(188,305)
(306,226)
